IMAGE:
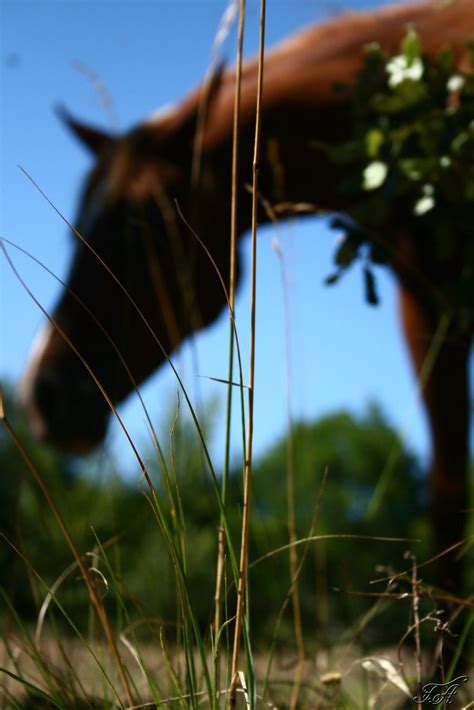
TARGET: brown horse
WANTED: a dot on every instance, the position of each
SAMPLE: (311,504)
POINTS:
(128,217)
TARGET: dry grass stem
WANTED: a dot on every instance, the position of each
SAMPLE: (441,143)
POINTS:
(290,478)
(99,85)
(221,551)
(248,461)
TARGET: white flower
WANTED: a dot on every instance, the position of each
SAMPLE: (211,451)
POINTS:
(374,175)
(445,161)
(399,70)
(455,82)
(425,203)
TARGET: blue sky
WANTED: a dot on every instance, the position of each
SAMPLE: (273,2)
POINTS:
(149,54)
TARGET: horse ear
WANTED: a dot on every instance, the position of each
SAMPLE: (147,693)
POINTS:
(94,139)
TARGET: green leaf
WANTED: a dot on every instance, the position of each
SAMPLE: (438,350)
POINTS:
(446,61)
(411,46)
(347,252)
(405,96)
(370,287)
(412,168)
(416,169)
(459,141)
(374,140)
(333,278)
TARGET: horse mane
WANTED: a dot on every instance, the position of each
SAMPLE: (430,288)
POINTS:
(295,63)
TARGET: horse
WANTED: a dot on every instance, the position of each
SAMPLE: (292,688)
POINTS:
(153,234)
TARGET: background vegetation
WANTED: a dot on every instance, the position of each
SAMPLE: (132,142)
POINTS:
(341,462)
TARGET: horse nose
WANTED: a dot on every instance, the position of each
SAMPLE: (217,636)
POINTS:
(36,381)
(62,403)
(66,409)
(38,396)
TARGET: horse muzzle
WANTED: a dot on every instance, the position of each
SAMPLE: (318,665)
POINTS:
(62,403)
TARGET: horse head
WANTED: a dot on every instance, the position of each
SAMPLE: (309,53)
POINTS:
(139,282)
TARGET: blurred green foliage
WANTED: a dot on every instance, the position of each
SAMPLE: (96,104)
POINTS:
(409,164)
(374,487)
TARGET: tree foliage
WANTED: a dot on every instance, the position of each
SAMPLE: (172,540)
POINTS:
(352,454)
(113,524)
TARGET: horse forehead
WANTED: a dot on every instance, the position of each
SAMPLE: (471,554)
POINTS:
(127,178)
(107,182)
(132,169)
(93,202)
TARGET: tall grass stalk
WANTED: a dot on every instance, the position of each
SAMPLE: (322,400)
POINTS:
(290,479)
(221,546)
(295,569)
(243,565)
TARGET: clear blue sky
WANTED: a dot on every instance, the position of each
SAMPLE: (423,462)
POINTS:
(148,54)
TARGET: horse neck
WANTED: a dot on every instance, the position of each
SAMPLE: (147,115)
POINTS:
(300,106)
(290,163)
